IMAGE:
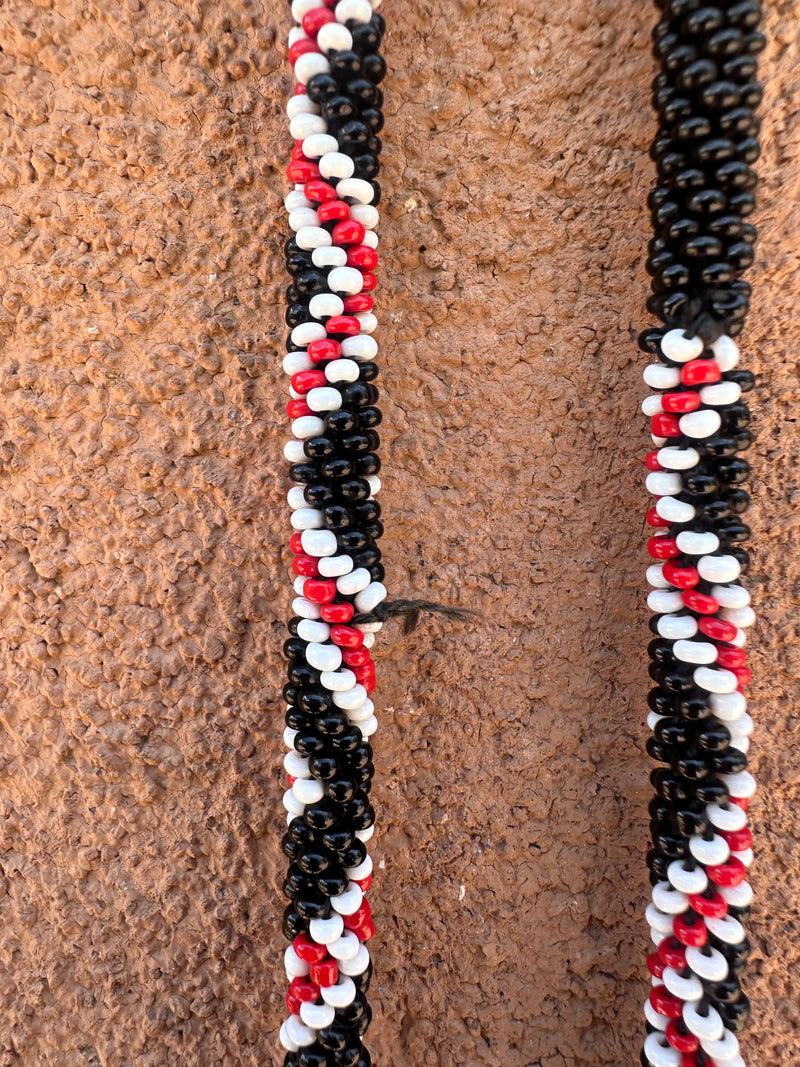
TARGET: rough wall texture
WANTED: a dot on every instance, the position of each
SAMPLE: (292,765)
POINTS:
(143,578)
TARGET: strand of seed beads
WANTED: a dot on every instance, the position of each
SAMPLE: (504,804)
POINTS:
(335,117)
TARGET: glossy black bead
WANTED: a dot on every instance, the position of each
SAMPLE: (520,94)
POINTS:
(312,1057)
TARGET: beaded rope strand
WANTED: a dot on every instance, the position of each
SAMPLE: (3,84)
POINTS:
(335,118)
(705,94)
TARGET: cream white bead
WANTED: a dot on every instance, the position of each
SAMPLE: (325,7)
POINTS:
(299,586)
(689,988)
(312,237)
(361,347)
(354,582)
(370,239)
(334,256)
(726,353)
(715,681)
(319,543)
(324,398)
(710,967)
(724,1051)
(298,1032)
(719,568)
(374,483)
(323,657)
(366,214)
(361,713)
(656,920)
(337,681)
(317,144)
(366,835)
(668,899)
(342,370)
(707,1027)
(731,596)
(348,901)
(346,947)
(369,726)
(720,393)
(285,1039)
(688,882)
(659,1052)
(727,929)
(361,870)
(653,1017)
(695,651)
(345,280)
(326,931)
(317,1016)
(296,765)
(308,790)
(709,853)
(665,600)
(369,598)
(288,737)
(297,198)
(308,630)
(728,817)
(653,719)
(738,896)
(324,305)
(741,785)
(336,165)
(699,424)
(306,332)
(334,566)
(741,617)
(369,322)
(678,459)
(292,804)
(728,706)
(739,638)
(306,519)
(307,426)
(695,543)
(355,189)
(306,124)
(674,510)
(663,483)
(306,609)
(295,967)
(677,627)
(296,498)
(334,37)
(659,376)
(341,994)
(357,965)
(301,217)
(741,727)
(296,361)
(351,698)
(651,405)
(675,346)
(302,7)
(655,576)
(310,64)
(658,441)
(358,10)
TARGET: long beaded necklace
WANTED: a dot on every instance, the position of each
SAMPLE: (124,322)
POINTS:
(335,119)
(704,94)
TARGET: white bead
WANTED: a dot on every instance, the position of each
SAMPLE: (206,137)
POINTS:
(324,398)
(317,144)
(659,376)
(710,968)
(359,10)
(307,630)
(369,726)
(341,370)
(740,638)
(348,901)
(319,543)
(743,744)
(289,735)
(719,568)
(658,441)
(306,332)
(354,582)
(657,920)
(305,608)
(677,627)
(695,651)
(312,237)
(355,189)
(334,37)
(688,882)
(741,727)
(296,498)
(655,576)
(299,105)
(306,124)
(293,393)
(715,681)
(308,790)
(370,597)
(295,967)
(674,510)
(335,256)
(709,853)
(337,681)
(341,994)
(728,706)
(299,1033)
(651,405)
(365,835)
(302,7)
(369,322)
(303,216)
(663,483)
(360,347)
(361,870)
(334,566)
(731,817)
(738,896)
(346,947)
(306,519)
(727,929)
(745,856)
(362,712)
(707,1027)
(310,64)
(374,483)
(741,617)
(664,600)
(668,899)
(285,1039)
(678,459)
(336,165)
(307,426)
(300,585)
(724,1051)
(731,596)
(698,424)
(326,931)
(296,765)
(697,544)
(375,4)
(357,965)
(345,280)
(721,393)
(726,353)
(370,239)
(297,33)
(297,198)
(740,785)
(350,699)
(296,361)
(292,804)
(317,1016)
(366,214)
(323,657)
(294,452)
(653,1017)
(675,346)
(324,305)
(659,1052)
(653,719)
(689,988)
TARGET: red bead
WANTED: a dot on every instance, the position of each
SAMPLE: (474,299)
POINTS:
(337,612)
(298,153)
(363,883)
(295,409)
(324,349)
(690,934)
(682,1041)
(349,232)
(364,911)
(672,953)
(655,965)
(307,991)
(299,172)
(299,89)
(319,192)
(727,874)
(700,372)
(740,802)
(680,577)
(738,840)
(355,657)
(688,1060)
(296,543)
(290,778)
(663,547)
(347,636)
(306,566)
(717,629)
(314,20)
(699,602)
(730,657)
(363,257)
(665,1003)
(325,973)
(365,673)
(293,1002)
(333,210)
(713,907)
(369,281)
(651,461)
(743,675)
(665,425)
(358,302)
(319,591)
(680,402)
(301,48)
(309,951)
(655,520)
(369,684)
(343,324)
(306,380)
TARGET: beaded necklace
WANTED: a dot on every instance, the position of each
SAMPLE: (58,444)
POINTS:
(704,94)
(335,119)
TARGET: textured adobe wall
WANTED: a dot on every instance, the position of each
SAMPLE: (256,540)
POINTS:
(142,571)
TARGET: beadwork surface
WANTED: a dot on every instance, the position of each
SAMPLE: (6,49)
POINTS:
(143,587)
